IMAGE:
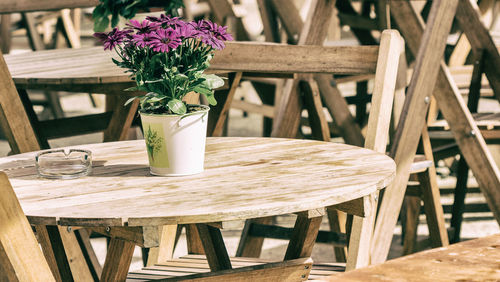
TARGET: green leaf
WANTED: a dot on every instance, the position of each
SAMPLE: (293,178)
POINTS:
(211,100)
(115,19)
(129,101)
(202,90)
(101,24)
(212,81)
(177,106)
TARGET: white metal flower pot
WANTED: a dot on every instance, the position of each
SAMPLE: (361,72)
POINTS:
(176,143)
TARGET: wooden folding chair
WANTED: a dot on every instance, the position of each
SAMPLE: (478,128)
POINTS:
(22,260)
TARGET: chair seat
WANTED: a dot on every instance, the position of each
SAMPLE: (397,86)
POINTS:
(193,264)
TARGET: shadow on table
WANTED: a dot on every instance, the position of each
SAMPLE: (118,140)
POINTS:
(125,170)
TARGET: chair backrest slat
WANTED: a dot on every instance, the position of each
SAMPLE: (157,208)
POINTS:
(19,6)
(391,48)
(20,256)
(281,58)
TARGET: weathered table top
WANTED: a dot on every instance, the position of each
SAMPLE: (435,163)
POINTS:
(90,65)
(243,178)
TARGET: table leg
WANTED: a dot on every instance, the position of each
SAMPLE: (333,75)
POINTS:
(304,236)
(215,250)
(118,260)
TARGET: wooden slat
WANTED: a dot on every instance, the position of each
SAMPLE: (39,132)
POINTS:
(289,108)
(303,237)
(312,102)
(218,114)
(142,236)
(272,57)
(474,260)
(391,46)
(13,6)
(74,125)
(289,16)
(292,270)
(118,259)
(214,247)
(20,255)
(15,124)
(165,250)
(121,120)
(479,38)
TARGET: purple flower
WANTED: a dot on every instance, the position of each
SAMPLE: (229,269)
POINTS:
(187,31)
(164,40)
(213,34)
(143,27)
(111,39)
(167,21)
(142,40)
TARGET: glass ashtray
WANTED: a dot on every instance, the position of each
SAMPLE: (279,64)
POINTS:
(61,164)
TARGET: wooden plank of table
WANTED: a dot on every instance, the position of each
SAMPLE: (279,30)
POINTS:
(480,38)
(455,111)
(412,121)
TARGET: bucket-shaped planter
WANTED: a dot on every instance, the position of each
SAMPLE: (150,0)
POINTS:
(176,143)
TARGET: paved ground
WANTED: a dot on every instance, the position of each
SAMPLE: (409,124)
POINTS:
(475,225)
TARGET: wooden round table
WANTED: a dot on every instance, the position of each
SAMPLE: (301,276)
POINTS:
(244,178)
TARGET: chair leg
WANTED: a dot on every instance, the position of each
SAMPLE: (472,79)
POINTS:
(433,208)
(249,245)
(337,221)
(459,199)
(361,235)
(412,205)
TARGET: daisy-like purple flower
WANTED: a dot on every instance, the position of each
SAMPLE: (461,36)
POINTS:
(143,27)
(213,34)
(187,31)
(167,21)
(142,40)
(164,40)
(111,39)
